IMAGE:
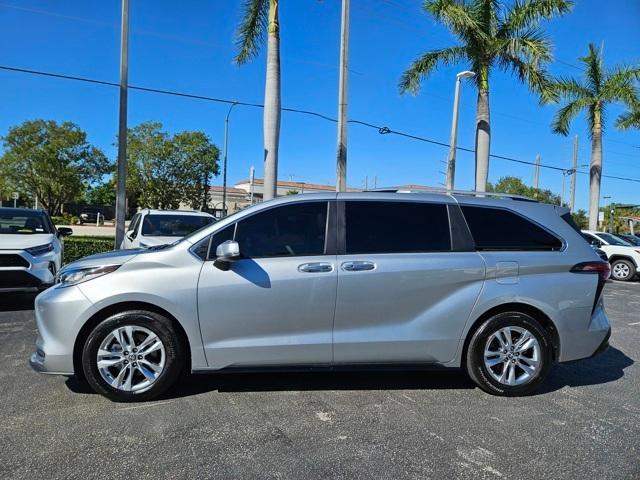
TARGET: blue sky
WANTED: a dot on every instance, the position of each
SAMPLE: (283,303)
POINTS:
(189,46)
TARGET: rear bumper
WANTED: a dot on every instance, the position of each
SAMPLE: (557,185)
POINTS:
(585,338)
(604,345)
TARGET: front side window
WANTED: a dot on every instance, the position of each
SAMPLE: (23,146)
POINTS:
(133,226)
(173,225)
(500,229)
(396,227)
(289,230)
(612,240)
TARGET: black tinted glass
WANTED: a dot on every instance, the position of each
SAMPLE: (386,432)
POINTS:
(396,227)
(173,225)
(23,222)
(498,229)
(220,237)
(297,229)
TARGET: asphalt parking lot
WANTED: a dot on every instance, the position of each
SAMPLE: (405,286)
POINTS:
(584,423)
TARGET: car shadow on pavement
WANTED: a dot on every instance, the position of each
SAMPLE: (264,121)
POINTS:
(13,302)
(605,368)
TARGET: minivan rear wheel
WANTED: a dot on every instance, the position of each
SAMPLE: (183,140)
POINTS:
(623,270)
(509,354)
(133,356)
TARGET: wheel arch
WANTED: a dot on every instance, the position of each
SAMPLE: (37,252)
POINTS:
(525,308)
(618,256)
(106,312)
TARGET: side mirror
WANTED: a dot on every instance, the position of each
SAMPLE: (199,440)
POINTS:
(64,231)
(226,252)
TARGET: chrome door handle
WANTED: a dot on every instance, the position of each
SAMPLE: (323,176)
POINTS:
(358,266)
(315,267)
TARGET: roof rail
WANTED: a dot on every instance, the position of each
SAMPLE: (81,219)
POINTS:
(444,191)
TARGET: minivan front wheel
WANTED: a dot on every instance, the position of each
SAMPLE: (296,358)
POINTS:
(132,356)
(509,354)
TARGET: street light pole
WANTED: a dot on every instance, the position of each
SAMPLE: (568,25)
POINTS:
(341,164)
(122,126)
(572,194)
(224,167)
(451,160)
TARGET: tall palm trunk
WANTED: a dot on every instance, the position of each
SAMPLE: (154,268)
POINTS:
(595,170)
(483,132)
(272,104)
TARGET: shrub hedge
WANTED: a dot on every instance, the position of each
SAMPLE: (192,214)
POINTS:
(78,247)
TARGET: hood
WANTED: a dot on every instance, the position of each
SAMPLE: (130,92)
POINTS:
(154,241)
(115,257)
(22,241)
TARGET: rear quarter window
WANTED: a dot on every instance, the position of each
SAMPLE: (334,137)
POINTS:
(501,229)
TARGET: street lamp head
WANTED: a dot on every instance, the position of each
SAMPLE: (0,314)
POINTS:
(466,74)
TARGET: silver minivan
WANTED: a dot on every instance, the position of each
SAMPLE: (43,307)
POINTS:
(501,287)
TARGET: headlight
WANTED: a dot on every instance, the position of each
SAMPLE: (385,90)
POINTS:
(40,249)
(73,276)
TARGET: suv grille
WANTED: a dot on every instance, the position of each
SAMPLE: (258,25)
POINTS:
(13,260)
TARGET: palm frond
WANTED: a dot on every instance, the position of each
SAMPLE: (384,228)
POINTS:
(251,30)
(619,85)
(531,44)
(571,88)
(525,14)
(426,64)
(486,11)
(628,120)
(459,17)
(593,69)
(562,120)
(532,74)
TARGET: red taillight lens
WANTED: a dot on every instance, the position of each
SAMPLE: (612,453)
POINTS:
(601,268)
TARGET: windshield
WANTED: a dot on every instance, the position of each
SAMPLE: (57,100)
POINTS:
(612,240)
(632,239)
(173,225)
(23,223)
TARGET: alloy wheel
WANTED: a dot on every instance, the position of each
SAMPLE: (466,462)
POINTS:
(621,270)
(131,358)
(512,356)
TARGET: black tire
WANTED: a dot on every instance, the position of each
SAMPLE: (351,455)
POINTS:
(175,354)
(630,267)
(475,364)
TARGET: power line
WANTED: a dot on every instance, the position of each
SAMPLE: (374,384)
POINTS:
(382,129)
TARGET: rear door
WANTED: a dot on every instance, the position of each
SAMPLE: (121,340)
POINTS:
(404,294)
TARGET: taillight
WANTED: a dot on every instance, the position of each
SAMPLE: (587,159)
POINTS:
(603,269)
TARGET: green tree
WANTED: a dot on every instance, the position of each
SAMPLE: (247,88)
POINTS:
(53,161)
(630,119)
(260,17)
(515,186)
(164,171)
(491,35)
(581,218)
(592,94)
(101,194)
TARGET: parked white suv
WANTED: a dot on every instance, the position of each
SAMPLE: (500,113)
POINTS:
(30,249)
(624,257)
(150,228)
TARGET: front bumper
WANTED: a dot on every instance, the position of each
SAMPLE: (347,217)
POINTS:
(23,272)
(60,314)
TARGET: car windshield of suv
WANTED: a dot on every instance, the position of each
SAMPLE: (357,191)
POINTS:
(173,225)
(632,239)
(612,240)
(21,223)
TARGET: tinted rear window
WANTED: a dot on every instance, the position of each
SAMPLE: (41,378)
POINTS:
(173,225)
(396,227)
(499,229)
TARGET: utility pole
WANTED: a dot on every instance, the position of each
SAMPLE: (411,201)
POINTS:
(572,194)
(536,172)
(341,166)
(451,160)
(121,191)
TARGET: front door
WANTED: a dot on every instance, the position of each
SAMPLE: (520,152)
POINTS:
(275,305)
(404,295)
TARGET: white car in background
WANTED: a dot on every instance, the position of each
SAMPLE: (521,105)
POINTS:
(30,249)
(624,257)
(150,228)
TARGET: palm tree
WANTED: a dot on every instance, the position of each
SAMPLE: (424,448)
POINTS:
(593,93)
(630,119)
(260,16)
(491,35)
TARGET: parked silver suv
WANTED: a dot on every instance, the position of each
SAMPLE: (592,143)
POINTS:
(501,287)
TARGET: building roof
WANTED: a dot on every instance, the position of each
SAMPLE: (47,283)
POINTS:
(299,185)
(230,190)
